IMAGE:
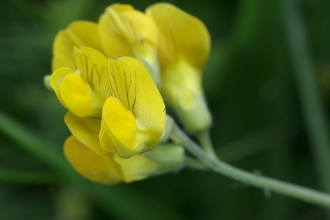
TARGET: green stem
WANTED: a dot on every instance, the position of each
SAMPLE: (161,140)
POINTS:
(206,143)
(298,192)
(314,113)
(194,164)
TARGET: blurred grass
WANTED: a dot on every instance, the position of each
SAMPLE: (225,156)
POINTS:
(252,93)
(313,108)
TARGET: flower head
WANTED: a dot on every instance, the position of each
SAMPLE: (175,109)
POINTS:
(85,153)
(105,73)
(121,92)
(116,116)
(124,31)
(120,31)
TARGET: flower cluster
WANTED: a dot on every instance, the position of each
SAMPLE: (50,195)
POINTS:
(109,74)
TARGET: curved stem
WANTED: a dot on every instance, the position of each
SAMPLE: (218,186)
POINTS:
(298,192)
(206,143)
(194,164)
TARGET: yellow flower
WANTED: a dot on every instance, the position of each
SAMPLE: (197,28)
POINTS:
(78,34)
(115,112)
(125,31)
(121,92)
(183,48)
(88,157)
(121,31)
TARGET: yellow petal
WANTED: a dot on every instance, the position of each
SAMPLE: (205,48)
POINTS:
(79,97)
(93,68)
(80,33)
(132,85)
(84,91)
(182,36)
(121,28)
(118,129)
(165,158)
(56,80)
(86,130)
(89,164)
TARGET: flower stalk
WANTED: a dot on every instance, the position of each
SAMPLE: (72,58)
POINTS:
(266,183)
(206,142)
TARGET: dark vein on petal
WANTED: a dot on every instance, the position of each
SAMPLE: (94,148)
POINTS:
(126,88)
(133,107)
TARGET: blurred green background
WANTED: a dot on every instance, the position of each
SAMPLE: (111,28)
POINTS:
(267,118)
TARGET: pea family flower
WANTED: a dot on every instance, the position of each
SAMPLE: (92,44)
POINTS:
(77,34)
(88,157)
(183,48)
(121,31)
(124,31)
(105,73)
(115,113)
(121,92)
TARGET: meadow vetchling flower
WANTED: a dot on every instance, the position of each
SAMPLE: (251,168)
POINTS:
(121,92)
(121,31)
(85,153)
(77,34)
(183,48)
(115,112)
(124,31)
